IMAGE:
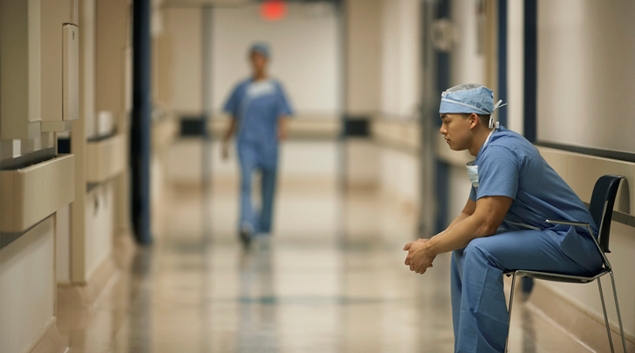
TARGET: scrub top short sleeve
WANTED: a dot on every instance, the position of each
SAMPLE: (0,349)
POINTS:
(284,108)
(498,173)
(232,104)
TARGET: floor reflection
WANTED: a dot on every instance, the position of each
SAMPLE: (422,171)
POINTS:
(258,301)
(294,292)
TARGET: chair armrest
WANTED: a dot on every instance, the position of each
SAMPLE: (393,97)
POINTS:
(588,227)
(569,223)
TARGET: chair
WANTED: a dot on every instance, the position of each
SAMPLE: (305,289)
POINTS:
(601,209)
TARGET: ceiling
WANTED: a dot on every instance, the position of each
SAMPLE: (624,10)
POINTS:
(224,3)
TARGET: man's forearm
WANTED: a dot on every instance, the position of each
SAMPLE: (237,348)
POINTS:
(457,235)
(460,218)
(230,130)
(283,127)
(485,216)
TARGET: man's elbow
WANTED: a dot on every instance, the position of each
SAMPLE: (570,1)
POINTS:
(489,226)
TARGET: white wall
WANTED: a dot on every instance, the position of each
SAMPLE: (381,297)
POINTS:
(363,62)
(400,175)
(400,90)
(400,50)
(468,53)
(305,54)
(99,225)
(586,66)
(299,160)
(183,30)
(99,212)
(27,287)
(515,66)
(362,164)
(63,245)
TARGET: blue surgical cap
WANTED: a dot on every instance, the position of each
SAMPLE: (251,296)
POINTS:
(468,98)
(261,48)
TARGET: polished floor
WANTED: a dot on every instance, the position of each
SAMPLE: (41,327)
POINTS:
(339,287)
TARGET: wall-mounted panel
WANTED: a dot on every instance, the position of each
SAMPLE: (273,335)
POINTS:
(20,69)
(31,194)
(59,63)
(70,71)
(106,158)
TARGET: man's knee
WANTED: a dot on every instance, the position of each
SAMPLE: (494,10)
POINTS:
(477,248)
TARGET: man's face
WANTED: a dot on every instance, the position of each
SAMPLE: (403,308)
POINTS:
(456,128)
(258,61)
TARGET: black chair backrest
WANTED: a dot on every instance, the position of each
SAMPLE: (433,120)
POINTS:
(604,192)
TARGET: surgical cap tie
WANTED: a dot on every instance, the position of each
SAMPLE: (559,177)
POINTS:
(492,122)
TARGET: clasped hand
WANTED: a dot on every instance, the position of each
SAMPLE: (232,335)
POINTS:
(419,257)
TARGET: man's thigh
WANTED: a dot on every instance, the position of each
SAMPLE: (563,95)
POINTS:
(528,250)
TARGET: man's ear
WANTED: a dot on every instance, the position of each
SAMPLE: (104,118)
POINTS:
(474,120)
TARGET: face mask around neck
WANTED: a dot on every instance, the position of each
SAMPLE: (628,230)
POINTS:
(472,173)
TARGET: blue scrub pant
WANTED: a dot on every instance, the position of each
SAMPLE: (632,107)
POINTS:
(250,161)
(479,310)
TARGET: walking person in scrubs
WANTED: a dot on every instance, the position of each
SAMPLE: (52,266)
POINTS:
(503,224)
(259,109)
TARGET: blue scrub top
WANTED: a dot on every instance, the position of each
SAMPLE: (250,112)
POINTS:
(509,165)
(258,105)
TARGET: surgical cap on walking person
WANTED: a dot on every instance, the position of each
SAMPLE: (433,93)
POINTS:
(260,48)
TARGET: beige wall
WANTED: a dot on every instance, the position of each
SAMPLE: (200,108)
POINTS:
(112,38)
(181,52)
(400,51)
(384,81)
(559,22)
(305,54)
(581,172)
(99,212)
(586,65)
(469,50)
(363,62)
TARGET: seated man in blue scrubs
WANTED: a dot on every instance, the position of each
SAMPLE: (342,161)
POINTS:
(502,226)
(259,110)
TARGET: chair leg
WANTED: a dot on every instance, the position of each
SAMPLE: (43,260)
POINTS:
(511,302)
(617,308)
(606,318)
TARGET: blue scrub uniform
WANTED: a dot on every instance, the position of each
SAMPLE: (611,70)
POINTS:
(509,165)
(258,106)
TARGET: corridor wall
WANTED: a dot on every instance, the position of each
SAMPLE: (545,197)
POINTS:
(305,58)
(584,67)
(563,109)
(39,42)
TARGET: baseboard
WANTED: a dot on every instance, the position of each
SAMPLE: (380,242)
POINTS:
(578,322)
(48,340)
(89,295)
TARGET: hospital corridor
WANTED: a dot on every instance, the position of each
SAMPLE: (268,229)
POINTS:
(196,293)
(319,176)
